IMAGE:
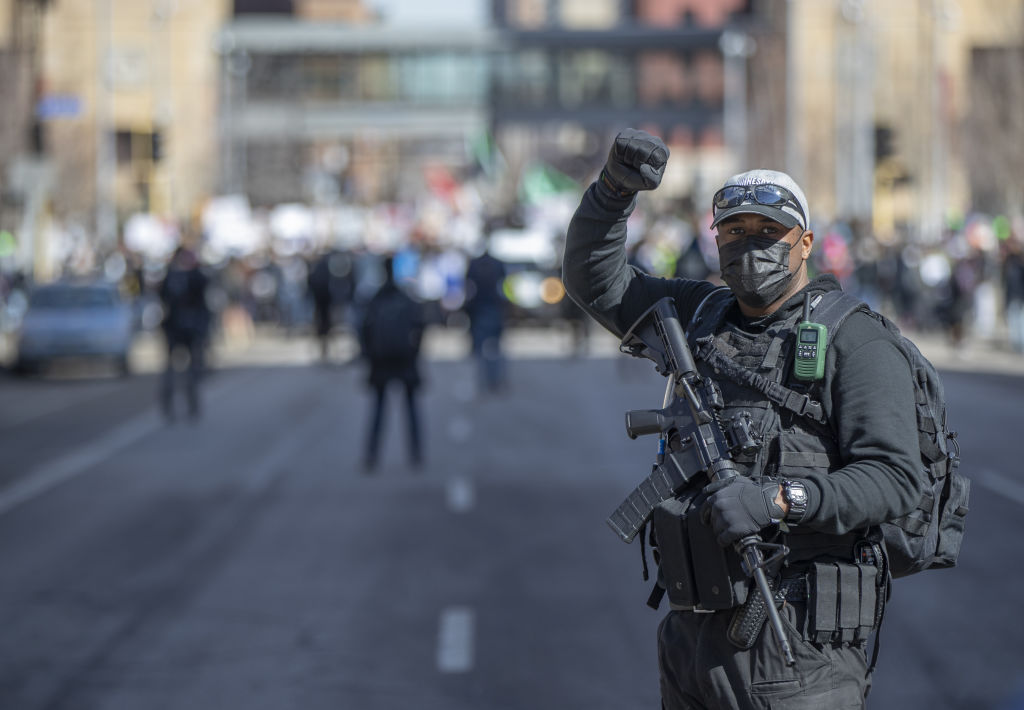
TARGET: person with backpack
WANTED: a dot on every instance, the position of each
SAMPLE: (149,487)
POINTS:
(390,337)
(185,324)
(837,455)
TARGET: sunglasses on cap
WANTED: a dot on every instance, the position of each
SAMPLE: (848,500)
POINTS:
(763,194)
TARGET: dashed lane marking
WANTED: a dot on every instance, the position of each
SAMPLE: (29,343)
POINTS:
(460,429)
(455,640)
(460,494)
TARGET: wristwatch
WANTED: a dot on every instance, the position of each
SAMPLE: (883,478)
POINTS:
(795,495)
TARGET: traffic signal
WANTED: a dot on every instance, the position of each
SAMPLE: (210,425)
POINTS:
(883,143)
(157,148)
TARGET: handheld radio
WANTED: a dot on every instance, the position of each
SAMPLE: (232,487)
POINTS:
(809,364)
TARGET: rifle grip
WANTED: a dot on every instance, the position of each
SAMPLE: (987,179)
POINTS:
(644,421)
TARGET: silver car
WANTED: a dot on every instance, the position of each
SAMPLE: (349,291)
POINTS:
(66,320)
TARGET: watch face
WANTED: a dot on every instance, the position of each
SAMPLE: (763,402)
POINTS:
(796,494)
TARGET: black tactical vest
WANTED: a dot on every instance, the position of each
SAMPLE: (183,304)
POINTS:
(794,445)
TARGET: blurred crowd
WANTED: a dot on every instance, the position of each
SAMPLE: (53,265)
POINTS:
(970,283)
(289,292)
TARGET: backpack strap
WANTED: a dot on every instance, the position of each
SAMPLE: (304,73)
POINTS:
(831,308)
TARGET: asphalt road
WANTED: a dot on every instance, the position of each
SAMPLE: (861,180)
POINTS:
(246,562)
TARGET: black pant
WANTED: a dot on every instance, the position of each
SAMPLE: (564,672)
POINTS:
(192,345)
(701,670)
(377,421)
(323,322)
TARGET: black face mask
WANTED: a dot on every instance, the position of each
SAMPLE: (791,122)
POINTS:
(756,269)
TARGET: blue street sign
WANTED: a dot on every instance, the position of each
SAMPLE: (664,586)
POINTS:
(58,106)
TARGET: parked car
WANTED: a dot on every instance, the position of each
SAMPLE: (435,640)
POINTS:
(71,320)
(533,285)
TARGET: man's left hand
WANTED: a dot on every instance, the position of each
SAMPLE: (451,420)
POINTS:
(737,507)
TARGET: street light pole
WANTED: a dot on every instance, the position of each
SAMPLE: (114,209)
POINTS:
(235,63)
(943,18)
(854,114)
(736,47)
(106,216)
(794,116)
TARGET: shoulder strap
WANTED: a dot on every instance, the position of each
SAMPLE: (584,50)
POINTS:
(830,308)
(714,315)
(834,307)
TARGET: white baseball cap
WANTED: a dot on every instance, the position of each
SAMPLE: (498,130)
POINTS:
(787,206)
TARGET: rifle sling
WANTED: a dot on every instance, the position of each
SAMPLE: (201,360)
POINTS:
(789,399)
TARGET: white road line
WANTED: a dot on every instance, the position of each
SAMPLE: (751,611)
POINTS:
(460,494)
(52,474)
(67,467)
(12,420)
(463,390)
(1006,487)
(460,429)
(455,640)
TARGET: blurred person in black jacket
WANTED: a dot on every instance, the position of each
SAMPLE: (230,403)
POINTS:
(1013,292)
(318,283)
(390,337)
(485,306)
(185,324)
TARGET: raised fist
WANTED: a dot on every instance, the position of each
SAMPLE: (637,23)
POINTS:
(636,162)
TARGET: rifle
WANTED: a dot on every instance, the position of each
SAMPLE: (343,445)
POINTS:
(693,441)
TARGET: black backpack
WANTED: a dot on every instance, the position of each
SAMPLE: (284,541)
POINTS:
(393,326)
(183,295)
(929,537)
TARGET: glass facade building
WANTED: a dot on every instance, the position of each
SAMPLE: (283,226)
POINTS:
(294,87)
(606,63)
(295,90)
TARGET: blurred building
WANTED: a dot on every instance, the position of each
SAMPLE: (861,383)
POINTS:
(574,72)
(25,170)
(321,99)
(133,90)
(896,116)
(901,116)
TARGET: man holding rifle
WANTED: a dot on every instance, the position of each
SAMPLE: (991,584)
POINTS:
(836,449)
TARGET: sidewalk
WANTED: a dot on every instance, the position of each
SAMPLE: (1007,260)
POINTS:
(269,346)
(976,355)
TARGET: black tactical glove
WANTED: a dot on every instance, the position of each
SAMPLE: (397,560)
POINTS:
(738,506)
(635,162)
